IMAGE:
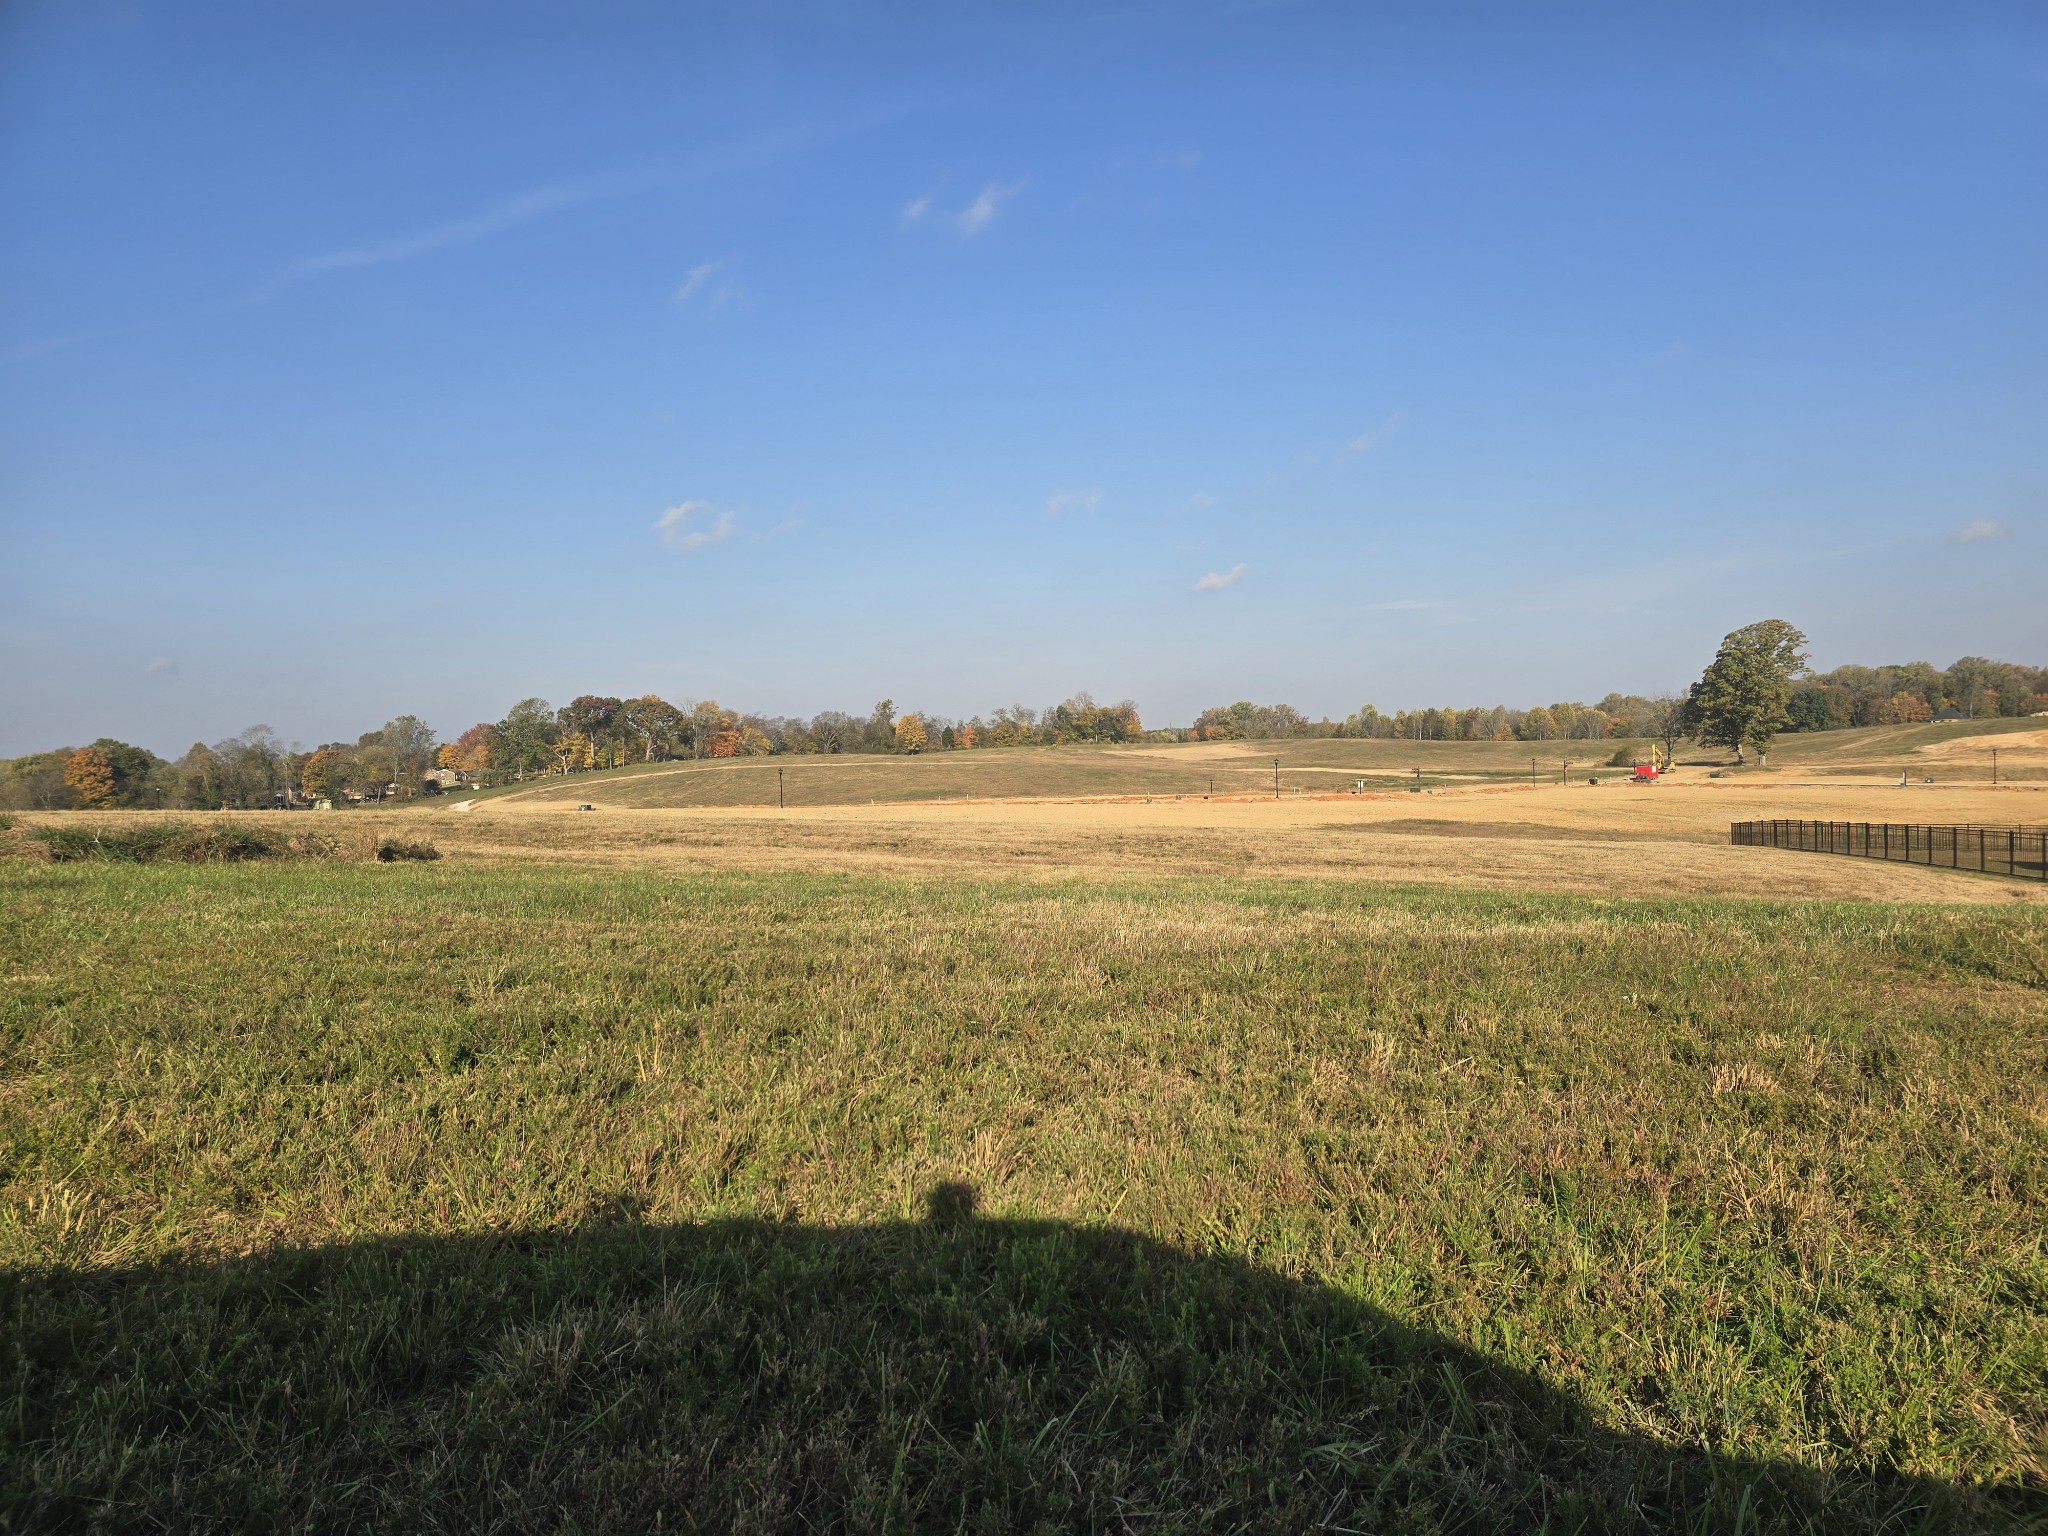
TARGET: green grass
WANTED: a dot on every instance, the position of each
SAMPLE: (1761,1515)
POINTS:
(423,1196)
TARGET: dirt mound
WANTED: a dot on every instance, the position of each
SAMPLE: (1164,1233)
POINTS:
(2014,744)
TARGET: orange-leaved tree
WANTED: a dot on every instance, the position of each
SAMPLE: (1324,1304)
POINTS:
(468,753)
(910,734)
(1905,709)
(321,777)
(90,777)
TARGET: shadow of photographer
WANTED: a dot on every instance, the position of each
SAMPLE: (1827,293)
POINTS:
(948,1374)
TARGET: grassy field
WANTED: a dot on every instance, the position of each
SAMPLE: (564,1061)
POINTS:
(546,1187)
(1952,753)
(1614,839)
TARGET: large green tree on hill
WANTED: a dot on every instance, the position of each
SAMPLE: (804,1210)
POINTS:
(522,742)
(1740,701)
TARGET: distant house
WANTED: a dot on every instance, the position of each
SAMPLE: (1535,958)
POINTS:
(1951,714)
(447,778)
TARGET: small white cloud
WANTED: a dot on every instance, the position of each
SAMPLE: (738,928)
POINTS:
(980,213)
(1678,351)
(1060,503)
(1366,442)
(694,282)
(694,524)
(1979,530)
(163,666)
(1200,501)
(1216,581)
(915,209)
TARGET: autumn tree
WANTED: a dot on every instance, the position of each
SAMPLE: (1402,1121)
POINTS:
(90,778)
(1742,699)
(1905,709)
(321,775)
(708,721)
(468,753)
(910,735)
(574,752)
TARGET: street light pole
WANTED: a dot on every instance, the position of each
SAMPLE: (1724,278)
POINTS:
(1276,778)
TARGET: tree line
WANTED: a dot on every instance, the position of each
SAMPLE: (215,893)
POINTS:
(1757,685)
(404,757)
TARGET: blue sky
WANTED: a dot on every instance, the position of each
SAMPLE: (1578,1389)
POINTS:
(359,360)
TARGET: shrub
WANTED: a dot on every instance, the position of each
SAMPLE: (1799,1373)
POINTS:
(180,842)
(392,849)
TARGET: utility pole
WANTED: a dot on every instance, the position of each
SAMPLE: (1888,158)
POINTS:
(778,789)
(1276,778)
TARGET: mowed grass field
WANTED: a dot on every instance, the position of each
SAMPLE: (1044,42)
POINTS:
(1953,753)
(1193,1166)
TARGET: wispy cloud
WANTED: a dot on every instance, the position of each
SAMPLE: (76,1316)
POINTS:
(1979,530)
(695,279)
(21,352)
(1368,441)
(163,666)
(1060,503)
(691,525)
(553,197)
(510,214)
(980,213)
(914,210)
(1677,352)
(1216,581)
(1199,502)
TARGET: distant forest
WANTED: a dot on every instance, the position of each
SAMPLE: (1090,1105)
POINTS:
(404,757)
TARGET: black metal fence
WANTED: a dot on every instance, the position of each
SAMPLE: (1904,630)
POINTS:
(2018,851)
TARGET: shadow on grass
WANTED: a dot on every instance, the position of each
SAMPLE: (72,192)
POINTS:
(949,1374)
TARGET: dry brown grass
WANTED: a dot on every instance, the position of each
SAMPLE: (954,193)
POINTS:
(1615,839)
